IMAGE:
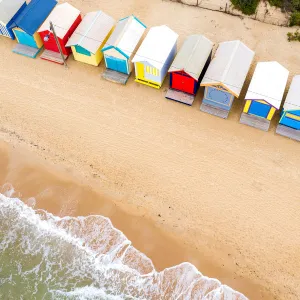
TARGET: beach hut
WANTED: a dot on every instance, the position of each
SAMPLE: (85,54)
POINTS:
(65,19)
(188,68)
(90,36)
(9,10)
(120,47)
(155,56)
(26,24)
(225,77)
(289,123)
(265,94)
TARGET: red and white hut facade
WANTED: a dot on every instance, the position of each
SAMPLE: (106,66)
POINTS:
(65,19)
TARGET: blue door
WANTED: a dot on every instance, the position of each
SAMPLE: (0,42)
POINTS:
(116,64)
(25,39)
(259,109)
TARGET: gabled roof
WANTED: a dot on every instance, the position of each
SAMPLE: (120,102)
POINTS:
(92,31)
(34,14)
(62,16)
(229,66)
(292,101)
(157,46)
(126,36)
(8,8)
(192,56)
(268,83)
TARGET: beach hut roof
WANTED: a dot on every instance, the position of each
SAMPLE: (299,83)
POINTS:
(8,8)
(92,31)
(33,15)
(157,46)
(268,83)
(126,35)
(62,16)
(192,56)
(229,66)
(292,101)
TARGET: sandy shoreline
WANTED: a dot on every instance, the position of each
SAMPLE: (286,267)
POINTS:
(233,190)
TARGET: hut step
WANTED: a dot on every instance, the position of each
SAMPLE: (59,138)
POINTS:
(222,113)
(180,97)
(53,56)
(288,132)
(115,76)
(26,50)
(254,121)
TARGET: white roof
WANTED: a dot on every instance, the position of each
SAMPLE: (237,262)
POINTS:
(230,66)
(62,16)
(8,8)
(126,35)
(157,46)
(292,101)
(92,31)
(268,83)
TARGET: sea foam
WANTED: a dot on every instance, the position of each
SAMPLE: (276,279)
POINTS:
(43,256)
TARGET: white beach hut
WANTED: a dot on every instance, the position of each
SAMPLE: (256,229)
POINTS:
(155,56)
(225,77)
(265,94)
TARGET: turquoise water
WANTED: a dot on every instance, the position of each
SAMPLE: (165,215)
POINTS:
(46,257)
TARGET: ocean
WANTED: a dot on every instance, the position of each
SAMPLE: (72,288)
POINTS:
(43,256)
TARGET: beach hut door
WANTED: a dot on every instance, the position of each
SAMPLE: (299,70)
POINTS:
(116,64)
(183,83)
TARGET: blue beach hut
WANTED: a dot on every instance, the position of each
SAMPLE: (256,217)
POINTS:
(26,25)
(289,123)
(9,10)
(225,77)
(264,95)
(121,46)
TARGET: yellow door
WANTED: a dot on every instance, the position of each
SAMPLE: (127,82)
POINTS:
(140,70)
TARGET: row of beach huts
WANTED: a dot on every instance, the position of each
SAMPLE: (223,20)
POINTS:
(59,30)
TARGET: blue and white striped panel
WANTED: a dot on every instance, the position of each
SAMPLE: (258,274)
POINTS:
(4,31)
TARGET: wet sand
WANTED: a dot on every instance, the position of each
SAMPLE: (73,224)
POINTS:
(54,189)
(228,191)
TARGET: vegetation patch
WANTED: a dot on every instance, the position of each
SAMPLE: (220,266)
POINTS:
(247,7)
(293,36)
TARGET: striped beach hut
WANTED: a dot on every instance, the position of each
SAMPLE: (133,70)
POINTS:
(90,36)
(155,56)
(26,24)
(120,48)
(65,19)
(264,95)
(188,68)
(289,124)
(9,10)
(225,77)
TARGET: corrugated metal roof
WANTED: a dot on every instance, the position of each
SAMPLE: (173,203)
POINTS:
(126,35)
(229,66)
(192,56)
(35,13)
(92,31)
(8,8)
(157,46)
(62,16)
(292,101)
(268,83)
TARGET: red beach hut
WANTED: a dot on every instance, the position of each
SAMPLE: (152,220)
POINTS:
(65,19)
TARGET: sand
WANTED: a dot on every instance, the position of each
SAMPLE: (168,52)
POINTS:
(227,191)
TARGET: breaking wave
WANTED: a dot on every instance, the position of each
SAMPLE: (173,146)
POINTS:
(43,256)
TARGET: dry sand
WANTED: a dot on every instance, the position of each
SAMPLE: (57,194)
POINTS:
(228,191)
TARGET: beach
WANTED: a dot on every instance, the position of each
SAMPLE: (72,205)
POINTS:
(215,193)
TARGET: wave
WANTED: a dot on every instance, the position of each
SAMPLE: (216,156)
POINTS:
(43,256)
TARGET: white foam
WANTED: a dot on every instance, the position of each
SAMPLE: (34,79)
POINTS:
(87,258)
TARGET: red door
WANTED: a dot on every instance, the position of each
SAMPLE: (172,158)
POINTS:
(183,83)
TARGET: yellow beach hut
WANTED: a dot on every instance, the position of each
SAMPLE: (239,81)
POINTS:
(155,55)
(90,36)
